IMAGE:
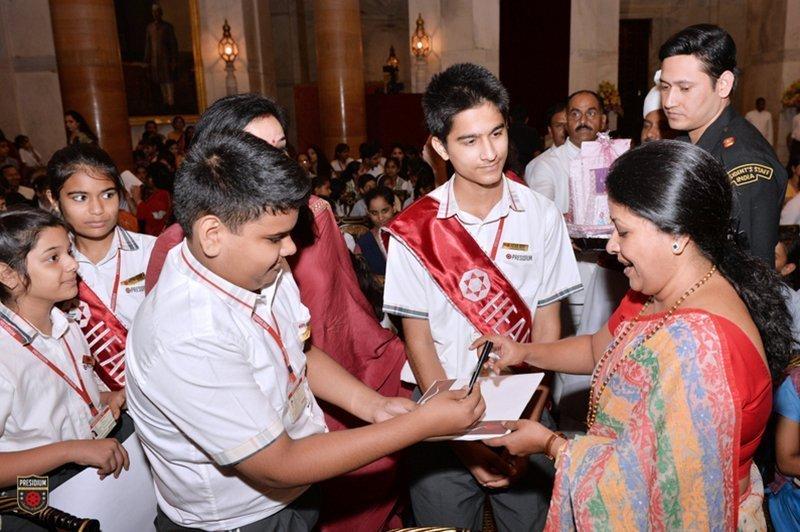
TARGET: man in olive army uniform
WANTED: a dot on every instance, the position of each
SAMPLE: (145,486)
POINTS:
(698,76)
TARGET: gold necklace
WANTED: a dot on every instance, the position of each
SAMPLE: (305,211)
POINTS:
(594,397)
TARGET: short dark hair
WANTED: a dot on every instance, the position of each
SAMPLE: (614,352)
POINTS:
(394,160)
(368,149)
(379,192)
(712,45)
(318,181)
(66,161)
(20,140)
(363,179)
(461,87)
(237,177)
(579,92)
(350,171)
(552,111)
(761,99)
(233,113)
(19,231)
(340,148)
(8,165)
(160,175)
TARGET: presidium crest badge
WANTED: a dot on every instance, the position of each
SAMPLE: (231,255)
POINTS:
(475,285)
(32,493)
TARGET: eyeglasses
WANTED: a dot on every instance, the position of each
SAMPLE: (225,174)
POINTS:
(576,114)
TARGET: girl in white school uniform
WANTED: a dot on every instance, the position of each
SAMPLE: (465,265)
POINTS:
(85,187)
(52,415)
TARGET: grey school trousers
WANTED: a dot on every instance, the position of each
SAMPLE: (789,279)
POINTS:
(444,492)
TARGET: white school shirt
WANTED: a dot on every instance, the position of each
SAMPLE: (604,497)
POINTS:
(790,214)
(37,407)
(548,174)
(338,166)
(134,250)
(762,120)
(359,210)
(543,273)
(207,388)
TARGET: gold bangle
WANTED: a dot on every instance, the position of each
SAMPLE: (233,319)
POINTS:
(549,443)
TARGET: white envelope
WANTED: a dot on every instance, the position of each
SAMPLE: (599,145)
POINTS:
(506,396)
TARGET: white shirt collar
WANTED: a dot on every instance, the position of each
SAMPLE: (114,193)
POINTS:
(571,149)
(122,241)
(448,206)
(235,296)
(27,331)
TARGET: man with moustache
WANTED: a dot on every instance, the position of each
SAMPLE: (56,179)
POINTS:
(548,174)
(698,76)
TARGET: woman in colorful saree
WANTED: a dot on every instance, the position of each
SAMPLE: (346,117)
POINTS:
(682,373)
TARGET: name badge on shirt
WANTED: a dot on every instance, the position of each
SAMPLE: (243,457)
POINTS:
(102,424)
(297,401)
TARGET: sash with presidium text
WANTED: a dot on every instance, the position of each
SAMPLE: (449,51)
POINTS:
(106,336)
(468,277)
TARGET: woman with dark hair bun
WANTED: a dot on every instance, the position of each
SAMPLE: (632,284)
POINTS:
(78,130)
(682,373)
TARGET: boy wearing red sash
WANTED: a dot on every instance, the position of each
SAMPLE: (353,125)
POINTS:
(220,380)
(480,253)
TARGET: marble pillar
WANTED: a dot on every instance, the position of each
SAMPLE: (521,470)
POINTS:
(90,71)
(461,31)
(770,60)
(31,102)
(340,74)
(594,43)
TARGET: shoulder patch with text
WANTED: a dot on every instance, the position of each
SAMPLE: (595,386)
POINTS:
(749,173)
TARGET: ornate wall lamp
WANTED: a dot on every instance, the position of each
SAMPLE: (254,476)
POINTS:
(228,52)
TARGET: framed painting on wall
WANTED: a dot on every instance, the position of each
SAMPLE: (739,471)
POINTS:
(161,62)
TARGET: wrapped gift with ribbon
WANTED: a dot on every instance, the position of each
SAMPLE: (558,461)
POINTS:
(588,215)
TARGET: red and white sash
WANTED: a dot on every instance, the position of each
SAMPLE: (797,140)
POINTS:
(106,336)
(468,277)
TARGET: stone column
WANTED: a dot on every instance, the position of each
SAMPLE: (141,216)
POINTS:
(340,76)
(770,59)
(594,43)
(90,71)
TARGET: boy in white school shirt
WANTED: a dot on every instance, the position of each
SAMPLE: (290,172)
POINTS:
(218,383)
(480,253)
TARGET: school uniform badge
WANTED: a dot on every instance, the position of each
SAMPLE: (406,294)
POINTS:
(475,285)
(32,493)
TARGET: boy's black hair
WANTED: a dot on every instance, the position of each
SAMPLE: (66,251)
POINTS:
(461,87)
(350,171)
(552,111)
(318,181)
(160,176)
(233,113)
(379,192)
(367,150)
(236,177)
(20,140)
(363,179)
(66,161)
(712,45)
(341,147)
(19,231)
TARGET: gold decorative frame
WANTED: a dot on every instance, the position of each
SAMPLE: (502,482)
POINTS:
(199,77)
